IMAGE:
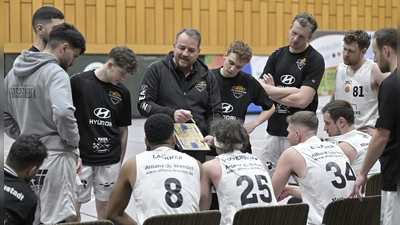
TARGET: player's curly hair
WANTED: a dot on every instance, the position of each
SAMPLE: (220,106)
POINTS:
(242,50)
(158,129)
(361,37)
(229,133)
(27,150)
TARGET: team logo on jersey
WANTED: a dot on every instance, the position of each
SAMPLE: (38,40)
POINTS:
(142,92)
(201,85)
(269,165)
(226,108)
(107,186)
(101,145)
(84,183)
(102,113)
(238,91)
(115,97)
(301,63)
(365,136)
(281,108)
(37,182)
(288,79)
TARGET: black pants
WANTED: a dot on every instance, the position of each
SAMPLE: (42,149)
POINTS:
(214,202)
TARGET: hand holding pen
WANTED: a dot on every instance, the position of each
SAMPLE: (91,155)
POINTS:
(182,116)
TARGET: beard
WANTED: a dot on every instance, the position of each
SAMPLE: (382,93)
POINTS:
(384,66)
(65,67)
(45,38)
(348,62)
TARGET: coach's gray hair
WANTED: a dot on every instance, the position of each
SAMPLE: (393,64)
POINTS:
(191,32)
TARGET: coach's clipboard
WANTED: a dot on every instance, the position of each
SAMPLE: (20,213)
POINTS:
(188,137)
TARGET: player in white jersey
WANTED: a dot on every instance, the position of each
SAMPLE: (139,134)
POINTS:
(357,80)
(338,117)
(241,180)
(161,181)
(323,171)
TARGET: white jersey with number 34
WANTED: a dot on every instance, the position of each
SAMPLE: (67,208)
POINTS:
(329,176)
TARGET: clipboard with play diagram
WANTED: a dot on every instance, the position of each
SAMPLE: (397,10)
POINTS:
(188,137)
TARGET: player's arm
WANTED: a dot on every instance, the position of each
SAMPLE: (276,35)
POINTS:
(11,127)
(121,194)
(123,132)
(290,190)
(333,92)
(349,151)
(275,92)
(149,92)
(206,187)
(267,78)
(63,108)
(375,149)
(200,168)
(377,77)
(301,99)
(261,118)
(282,171)
(261,98)
(214,103)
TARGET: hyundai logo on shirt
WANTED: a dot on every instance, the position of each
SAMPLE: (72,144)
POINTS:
(102,113)
(288,79)
(226,107)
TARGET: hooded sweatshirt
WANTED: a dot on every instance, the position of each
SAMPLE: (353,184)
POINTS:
(162,92)
(38,101)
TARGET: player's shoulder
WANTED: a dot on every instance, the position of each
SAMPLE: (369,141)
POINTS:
(82,75)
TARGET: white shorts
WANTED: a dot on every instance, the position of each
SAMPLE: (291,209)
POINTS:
(55,187)
(272,150)
(389,208)
(101,178)
(78,186)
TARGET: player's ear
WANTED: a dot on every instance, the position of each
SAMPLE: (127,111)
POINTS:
(298,135)
(342,122)
(173,140)
(146,142)
(30,171)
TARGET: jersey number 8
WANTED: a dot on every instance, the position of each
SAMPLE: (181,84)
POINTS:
(173,197)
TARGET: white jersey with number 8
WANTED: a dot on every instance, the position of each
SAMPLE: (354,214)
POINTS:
(167,182)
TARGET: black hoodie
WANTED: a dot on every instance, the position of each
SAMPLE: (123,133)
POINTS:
(161,92)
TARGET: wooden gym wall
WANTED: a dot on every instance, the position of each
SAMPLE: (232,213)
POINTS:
(149,26)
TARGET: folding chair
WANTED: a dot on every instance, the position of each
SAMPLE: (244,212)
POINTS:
(97,222)
(373,185)
(209,217)
(353,212)
(291,214)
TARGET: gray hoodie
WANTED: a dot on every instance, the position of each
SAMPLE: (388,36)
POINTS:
(38,100)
